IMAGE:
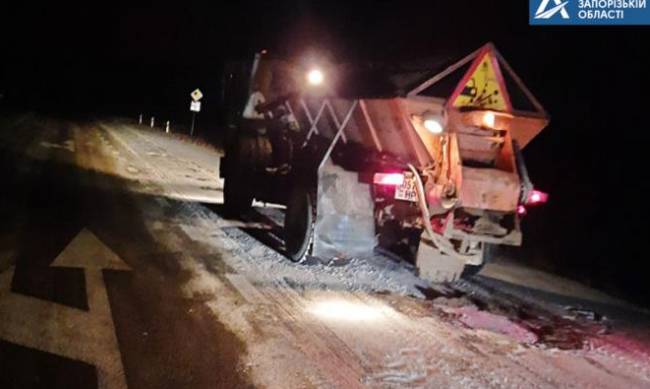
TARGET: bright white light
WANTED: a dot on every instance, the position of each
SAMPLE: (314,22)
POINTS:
(537,197)
(489,119)
(433,126)
(348,311)
(315,77)
(390,179)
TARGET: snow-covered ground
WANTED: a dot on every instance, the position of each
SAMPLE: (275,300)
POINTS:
(371,323)
(164,165)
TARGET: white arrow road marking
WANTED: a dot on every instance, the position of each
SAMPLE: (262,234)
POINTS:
(69,332)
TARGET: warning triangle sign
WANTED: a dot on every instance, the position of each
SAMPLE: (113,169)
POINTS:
(483,85)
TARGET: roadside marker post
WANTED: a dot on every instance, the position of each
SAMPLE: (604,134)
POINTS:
(153,122)
(167,127)
(140,119)
(195,106)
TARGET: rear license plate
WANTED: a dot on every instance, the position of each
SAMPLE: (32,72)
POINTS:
(407,191)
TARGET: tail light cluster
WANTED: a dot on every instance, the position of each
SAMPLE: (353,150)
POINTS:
(535,197)
(391,180)
(388,179)
(386,184)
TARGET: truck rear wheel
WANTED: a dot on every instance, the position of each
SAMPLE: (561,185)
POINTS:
(299,224)
(244,155)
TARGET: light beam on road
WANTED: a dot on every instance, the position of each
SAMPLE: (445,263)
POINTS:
(340,309)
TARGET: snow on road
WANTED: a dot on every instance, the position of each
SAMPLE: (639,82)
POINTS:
(363,325)
(164,165)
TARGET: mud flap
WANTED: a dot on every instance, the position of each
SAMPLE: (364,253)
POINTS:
(345,223)
(436,266)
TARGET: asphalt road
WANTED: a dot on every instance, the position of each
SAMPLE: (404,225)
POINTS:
(118,270)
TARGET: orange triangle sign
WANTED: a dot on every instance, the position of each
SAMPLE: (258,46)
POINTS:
(483,86)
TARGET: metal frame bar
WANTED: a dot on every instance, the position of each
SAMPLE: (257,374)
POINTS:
(348,116)
(444,73)
(340,126)
(326,104)
(520,83)
(288,105)
(371,126)
(538,106)
(415,141)
(335,118)
(313,121)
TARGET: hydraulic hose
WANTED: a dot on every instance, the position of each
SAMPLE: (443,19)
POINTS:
(440,241)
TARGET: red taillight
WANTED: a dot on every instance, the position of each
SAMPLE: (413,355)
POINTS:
(521,210)
(536,197)
(390,179)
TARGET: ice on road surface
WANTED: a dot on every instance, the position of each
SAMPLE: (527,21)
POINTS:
(372,323)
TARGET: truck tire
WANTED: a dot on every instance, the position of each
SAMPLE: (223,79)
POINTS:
(471,270)
(299,224)
(237,189)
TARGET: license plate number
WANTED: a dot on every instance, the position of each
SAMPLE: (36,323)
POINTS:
(407,191)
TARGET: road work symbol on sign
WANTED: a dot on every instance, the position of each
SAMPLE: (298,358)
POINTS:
(483,85)
(196,94)
(65,331)
(195,106)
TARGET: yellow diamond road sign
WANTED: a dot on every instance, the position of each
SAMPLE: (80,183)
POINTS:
(196,95)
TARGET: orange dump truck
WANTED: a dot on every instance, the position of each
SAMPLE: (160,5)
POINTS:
(423,162)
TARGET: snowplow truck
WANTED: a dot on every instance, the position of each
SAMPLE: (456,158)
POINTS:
(423,162)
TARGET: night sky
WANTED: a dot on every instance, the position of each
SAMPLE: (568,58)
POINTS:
(122,59)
